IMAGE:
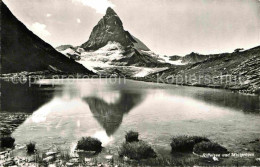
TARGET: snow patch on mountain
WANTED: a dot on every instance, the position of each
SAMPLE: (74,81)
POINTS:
(102,60)
(163,58)
(102,57)
(111,47)
(177,62)
(110,56)
(68,52)
(142,72)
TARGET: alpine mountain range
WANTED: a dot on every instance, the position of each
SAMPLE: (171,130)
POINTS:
(112,50)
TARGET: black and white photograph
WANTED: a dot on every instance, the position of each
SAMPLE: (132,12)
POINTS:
(129,83)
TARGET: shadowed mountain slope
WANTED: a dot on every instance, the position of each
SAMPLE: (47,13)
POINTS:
(21,50)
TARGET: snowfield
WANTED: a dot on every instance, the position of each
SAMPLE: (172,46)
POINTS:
(104,58)
(163,59)
(69,51)
(142,72)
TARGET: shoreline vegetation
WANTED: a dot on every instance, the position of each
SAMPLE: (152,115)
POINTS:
(32,77)
(186,151)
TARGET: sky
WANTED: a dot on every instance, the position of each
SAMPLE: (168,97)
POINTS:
(168,27)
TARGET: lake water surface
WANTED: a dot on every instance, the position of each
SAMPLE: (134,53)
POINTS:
(61,115)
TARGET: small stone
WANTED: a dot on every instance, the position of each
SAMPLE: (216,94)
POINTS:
(109,157)
(9,163)
(69,164)
(125,158)
(48,159)
(20,147)
(75,156)
(87,159)
(2,157)
(215,159)
(50,153)
(31,159)
(3,153)
(246,149)
(74,160)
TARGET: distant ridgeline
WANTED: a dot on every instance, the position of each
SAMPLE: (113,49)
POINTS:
(238,71)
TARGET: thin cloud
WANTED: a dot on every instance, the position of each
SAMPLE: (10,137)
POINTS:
(40,29)
(78,20)
(48,15)
(99,5)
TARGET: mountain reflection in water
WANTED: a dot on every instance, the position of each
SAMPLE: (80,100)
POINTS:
(71,110)
(110,115)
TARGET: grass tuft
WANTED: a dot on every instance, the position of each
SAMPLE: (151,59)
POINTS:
(131,136)
(30,147)
(186,143)
(7,142)
(89,144)
(137,150)
(209,147)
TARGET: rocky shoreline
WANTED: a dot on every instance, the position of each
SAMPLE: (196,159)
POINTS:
(55,157)
(248,90)
(108,159)
(10,121)
(32,77)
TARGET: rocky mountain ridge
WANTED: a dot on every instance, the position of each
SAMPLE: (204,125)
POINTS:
(110,28)
(123,49)
(238,71)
